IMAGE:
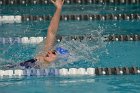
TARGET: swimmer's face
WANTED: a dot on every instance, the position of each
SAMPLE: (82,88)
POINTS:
(50,56)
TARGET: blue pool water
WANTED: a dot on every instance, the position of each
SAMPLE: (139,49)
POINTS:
(110,54)
(104,84)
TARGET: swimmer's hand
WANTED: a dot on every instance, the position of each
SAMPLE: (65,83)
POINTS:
(58,3)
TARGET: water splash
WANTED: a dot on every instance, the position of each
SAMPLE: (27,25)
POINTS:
(88,51)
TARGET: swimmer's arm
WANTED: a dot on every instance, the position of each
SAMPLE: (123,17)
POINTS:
(54,24)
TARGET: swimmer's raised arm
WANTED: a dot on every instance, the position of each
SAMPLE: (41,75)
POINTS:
(47,56)
(50,56)
(53,27)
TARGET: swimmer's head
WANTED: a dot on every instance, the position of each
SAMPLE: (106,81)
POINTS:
(51,56)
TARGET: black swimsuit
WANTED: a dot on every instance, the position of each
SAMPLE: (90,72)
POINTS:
(29,63)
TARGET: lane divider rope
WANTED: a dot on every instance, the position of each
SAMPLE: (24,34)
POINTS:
(87,17)
(71,71)
(36,40)
(23,2)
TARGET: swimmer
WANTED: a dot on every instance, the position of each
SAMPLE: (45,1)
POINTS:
(49,54)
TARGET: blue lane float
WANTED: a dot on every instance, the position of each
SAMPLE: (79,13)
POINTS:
(71,71)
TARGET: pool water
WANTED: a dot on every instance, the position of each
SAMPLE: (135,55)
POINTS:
(88,84)
(111,54)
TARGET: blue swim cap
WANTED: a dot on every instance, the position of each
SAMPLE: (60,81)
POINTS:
(62,50)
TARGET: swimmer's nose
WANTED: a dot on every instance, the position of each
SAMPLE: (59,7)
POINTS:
(47,55)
